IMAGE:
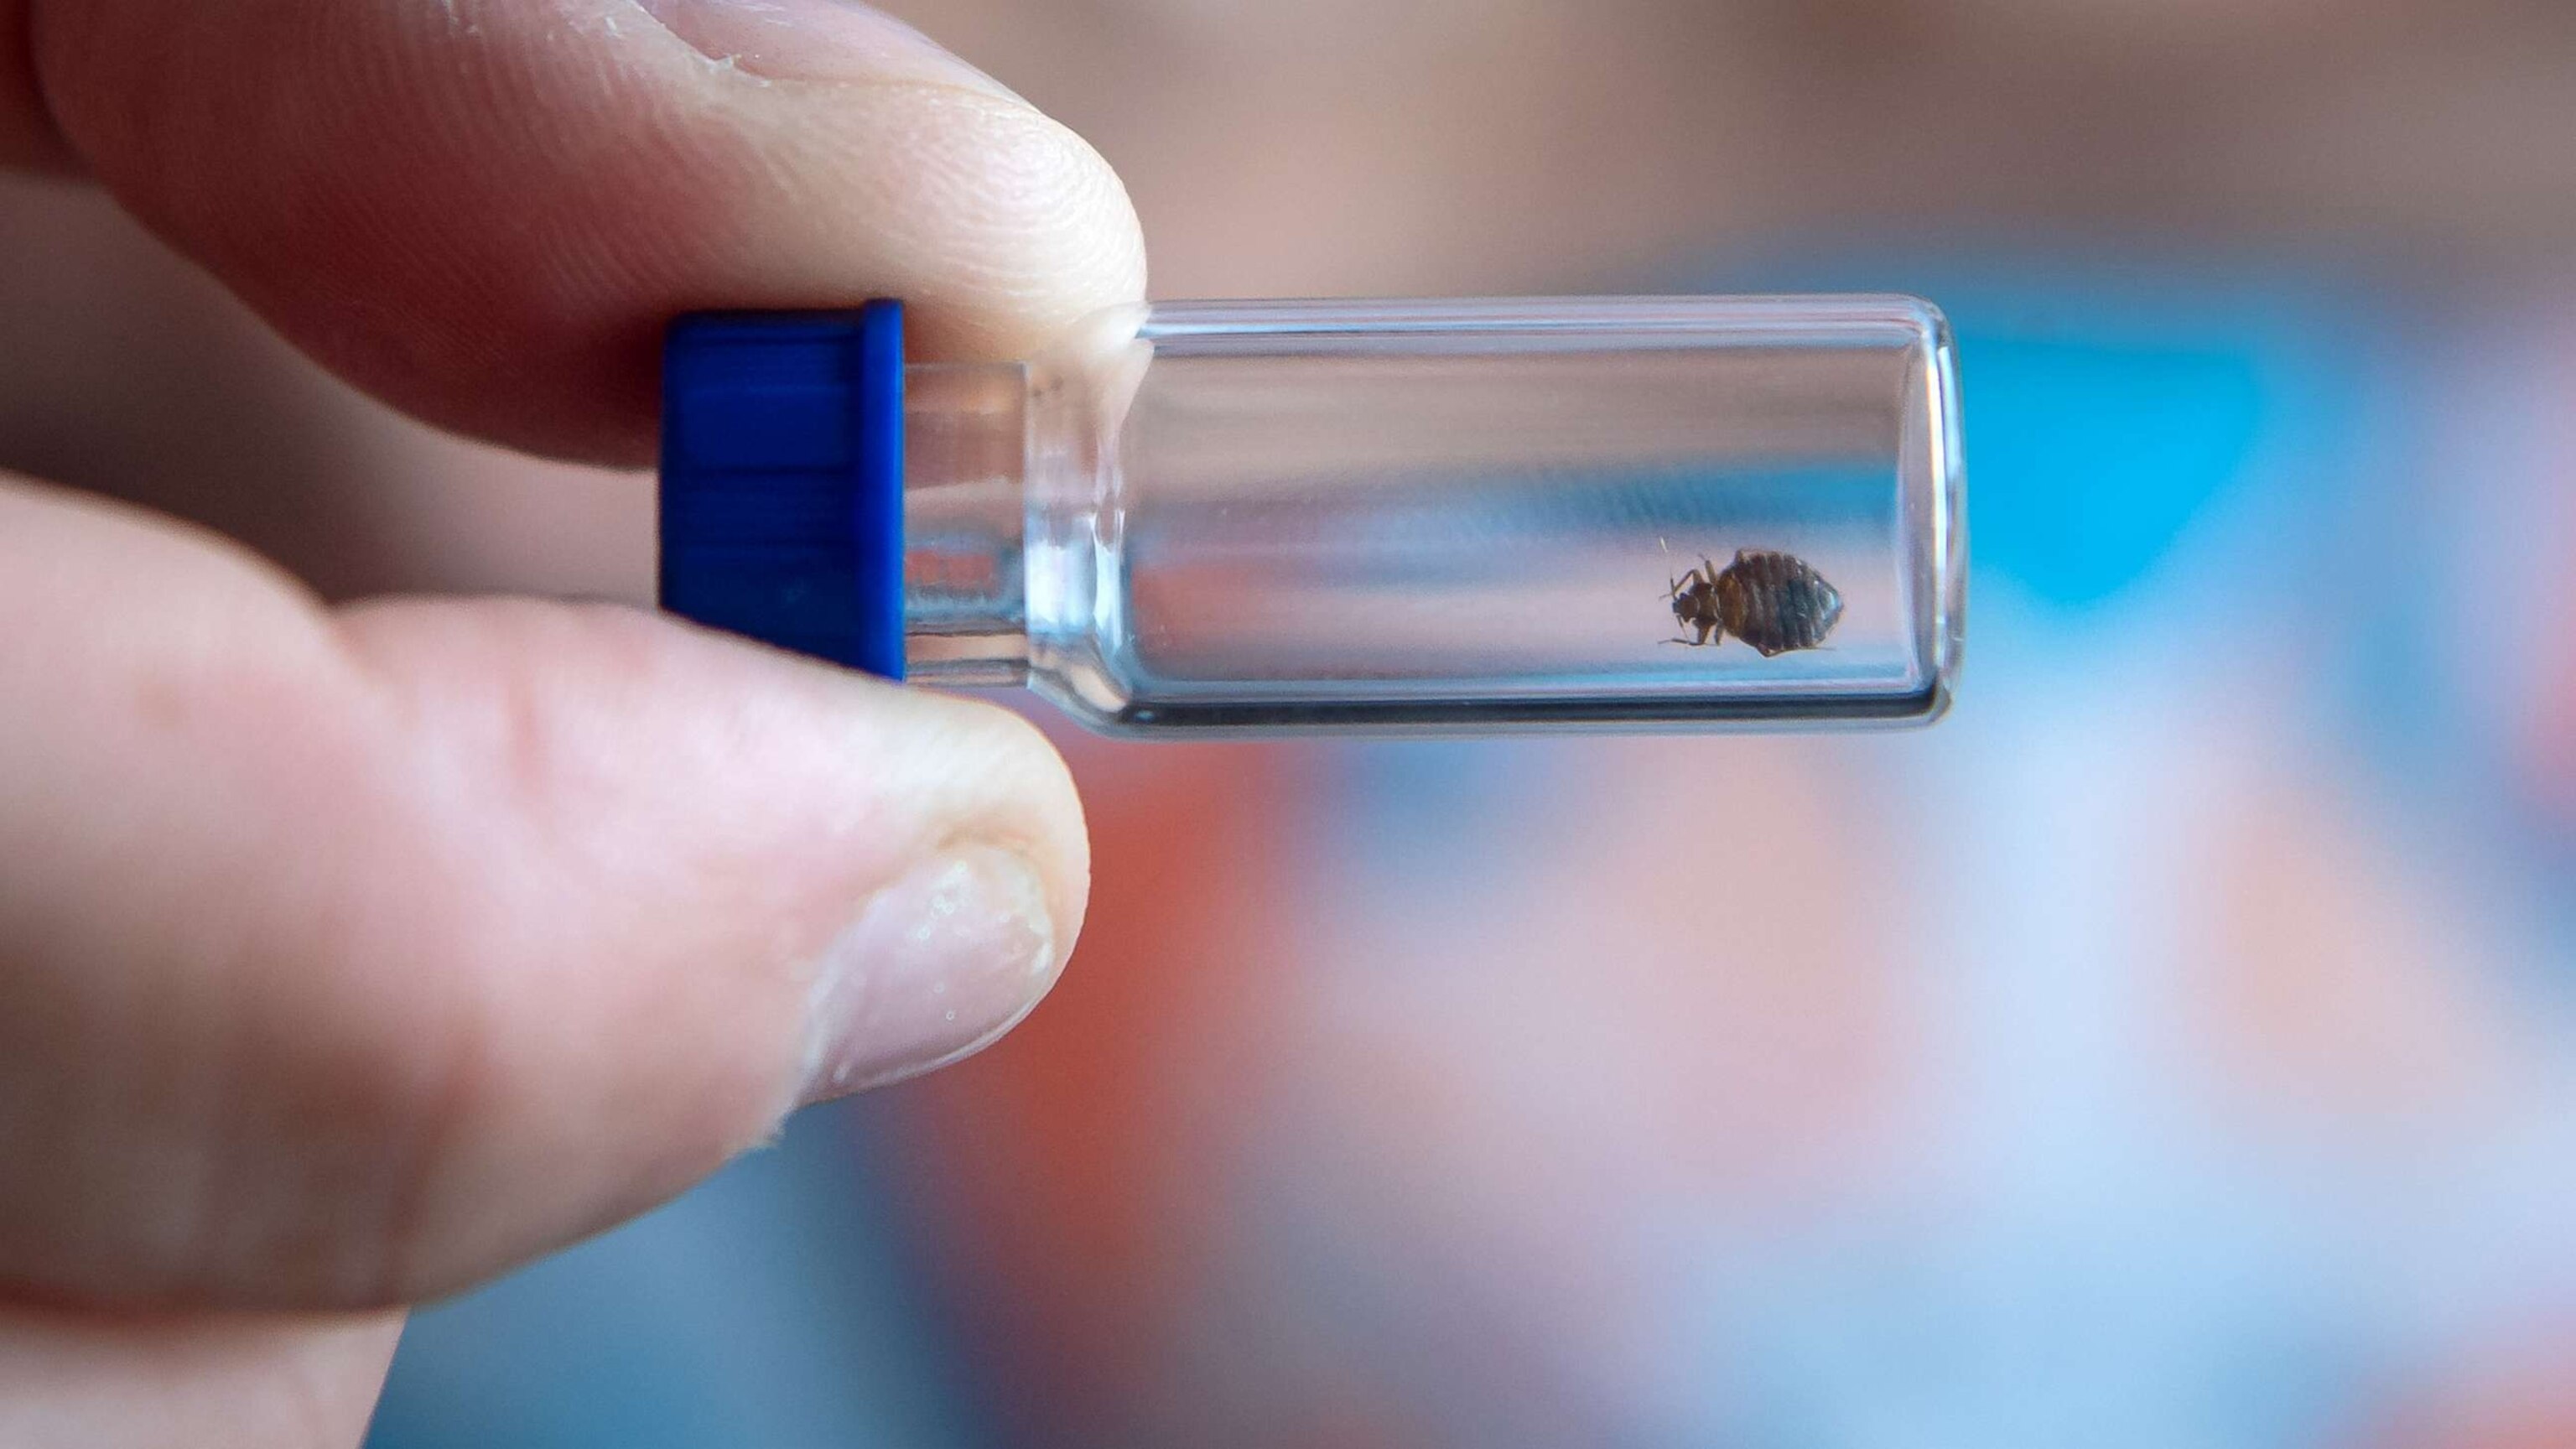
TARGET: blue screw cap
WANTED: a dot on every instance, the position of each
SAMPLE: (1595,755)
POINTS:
(782,480)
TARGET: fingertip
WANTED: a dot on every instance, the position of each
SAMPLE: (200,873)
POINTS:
(815,883)
(998,226)
(1085,254)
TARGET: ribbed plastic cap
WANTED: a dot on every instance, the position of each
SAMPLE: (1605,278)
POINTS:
(782,480)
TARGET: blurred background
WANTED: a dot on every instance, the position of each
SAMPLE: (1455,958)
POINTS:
(2175,1046)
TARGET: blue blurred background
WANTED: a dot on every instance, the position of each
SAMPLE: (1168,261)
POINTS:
(2175,1046)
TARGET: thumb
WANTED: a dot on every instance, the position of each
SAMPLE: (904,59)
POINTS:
(347,958)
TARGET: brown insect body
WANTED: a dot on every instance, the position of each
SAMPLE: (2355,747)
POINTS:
(1772,601)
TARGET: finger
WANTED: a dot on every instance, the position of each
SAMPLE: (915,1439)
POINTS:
(344,959)
(69,1377)
(486,210)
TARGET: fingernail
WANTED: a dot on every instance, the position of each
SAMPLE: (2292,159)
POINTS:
(940,963)
(823,40)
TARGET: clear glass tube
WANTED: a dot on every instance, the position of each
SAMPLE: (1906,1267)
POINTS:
(1449,516)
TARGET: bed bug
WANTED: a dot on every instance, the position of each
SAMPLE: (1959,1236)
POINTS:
(1772,601)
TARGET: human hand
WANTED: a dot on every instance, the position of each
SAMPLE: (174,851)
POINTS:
(348,956)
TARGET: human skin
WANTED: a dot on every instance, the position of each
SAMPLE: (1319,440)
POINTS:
(350,955)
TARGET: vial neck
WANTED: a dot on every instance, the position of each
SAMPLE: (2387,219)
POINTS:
(966,445)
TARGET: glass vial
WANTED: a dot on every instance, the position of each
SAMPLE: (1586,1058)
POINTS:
(1449,516)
